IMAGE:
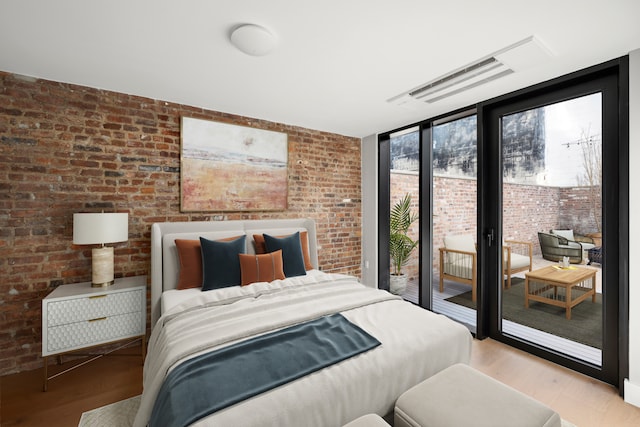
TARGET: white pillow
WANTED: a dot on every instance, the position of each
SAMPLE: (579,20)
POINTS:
(567,234)
(462,242)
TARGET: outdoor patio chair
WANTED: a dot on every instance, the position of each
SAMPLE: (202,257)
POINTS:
(518,257)
(585,241)
(555,247)
(459,262)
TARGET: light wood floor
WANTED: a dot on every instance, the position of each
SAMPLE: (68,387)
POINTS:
(579,399)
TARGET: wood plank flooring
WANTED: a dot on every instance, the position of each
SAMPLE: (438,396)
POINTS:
(582,400)
(106,380)
(579,399)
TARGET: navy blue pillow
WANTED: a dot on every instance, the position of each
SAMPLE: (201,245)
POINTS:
(292,259)
(220,262)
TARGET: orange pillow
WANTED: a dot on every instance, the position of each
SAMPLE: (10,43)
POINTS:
(190,255)
(190,263)
(261,248)
(261,268)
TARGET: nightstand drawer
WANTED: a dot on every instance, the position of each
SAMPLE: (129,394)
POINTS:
(93,307)
(96,331)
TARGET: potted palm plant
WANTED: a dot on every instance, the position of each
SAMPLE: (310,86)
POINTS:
(400,244)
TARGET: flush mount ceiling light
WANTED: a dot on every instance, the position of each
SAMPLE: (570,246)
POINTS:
(253,39)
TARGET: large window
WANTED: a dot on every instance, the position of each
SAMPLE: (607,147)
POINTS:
(491,186)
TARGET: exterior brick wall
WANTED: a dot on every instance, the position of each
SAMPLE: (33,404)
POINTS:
(578,205)
(527,209)
(68,148)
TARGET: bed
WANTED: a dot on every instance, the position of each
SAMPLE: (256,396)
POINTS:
(188,324)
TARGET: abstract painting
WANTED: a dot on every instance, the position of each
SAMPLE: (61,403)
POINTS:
(227,167)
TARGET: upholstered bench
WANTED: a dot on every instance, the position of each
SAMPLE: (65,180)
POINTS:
(369,420)
(462,396)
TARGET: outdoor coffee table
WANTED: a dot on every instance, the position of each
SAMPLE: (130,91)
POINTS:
(578,283)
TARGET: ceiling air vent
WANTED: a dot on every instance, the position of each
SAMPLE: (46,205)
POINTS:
(511,59)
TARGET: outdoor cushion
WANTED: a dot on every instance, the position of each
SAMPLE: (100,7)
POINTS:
(518,261)
(459,265)
(587,246)
(571,245)
(567,234)
(462,242)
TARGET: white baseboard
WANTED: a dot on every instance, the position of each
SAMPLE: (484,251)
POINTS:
(632,393)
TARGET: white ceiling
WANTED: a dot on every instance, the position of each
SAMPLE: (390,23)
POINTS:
(336,64)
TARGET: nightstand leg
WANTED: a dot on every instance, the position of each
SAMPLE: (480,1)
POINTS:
(46,375)
(144,347)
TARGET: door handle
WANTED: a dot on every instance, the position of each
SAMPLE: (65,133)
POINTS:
(490,236)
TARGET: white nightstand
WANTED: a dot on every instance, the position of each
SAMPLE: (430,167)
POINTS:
(77,316)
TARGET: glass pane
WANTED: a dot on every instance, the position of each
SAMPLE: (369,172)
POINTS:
(552,289)
(454,219)
(404,202)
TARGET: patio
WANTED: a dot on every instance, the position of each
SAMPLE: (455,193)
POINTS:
(467,315)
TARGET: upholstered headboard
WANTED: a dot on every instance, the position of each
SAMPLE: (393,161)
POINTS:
(164,255)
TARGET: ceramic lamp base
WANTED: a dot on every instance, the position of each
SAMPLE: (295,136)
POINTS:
(102,266)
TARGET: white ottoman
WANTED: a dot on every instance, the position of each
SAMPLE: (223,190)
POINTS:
(369,420)
(461,396)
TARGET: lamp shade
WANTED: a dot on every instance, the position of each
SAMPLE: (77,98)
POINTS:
(100,228)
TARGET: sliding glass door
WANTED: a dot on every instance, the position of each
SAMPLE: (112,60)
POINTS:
(404,202)
(454,229)
(521,218)
(551,160)
(551,226)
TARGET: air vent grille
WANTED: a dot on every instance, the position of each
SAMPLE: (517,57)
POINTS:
(500,64)
(453,77)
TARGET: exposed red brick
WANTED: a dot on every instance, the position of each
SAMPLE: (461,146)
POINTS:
(527,209)
(67,148)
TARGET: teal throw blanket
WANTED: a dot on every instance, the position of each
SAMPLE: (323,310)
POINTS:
(218,379)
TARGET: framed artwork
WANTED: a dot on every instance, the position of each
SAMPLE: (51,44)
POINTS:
(226,167)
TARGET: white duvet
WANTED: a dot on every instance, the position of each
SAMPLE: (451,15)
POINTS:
(415,345)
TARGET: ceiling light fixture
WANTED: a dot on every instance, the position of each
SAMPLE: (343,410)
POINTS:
(253,39)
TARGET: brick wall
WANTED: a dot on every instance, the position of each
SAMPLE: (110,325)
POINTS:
(578,205)
(527,209)
(67,148)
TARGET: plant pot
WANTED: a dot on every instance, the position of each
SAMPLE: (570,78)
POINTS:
(398,283)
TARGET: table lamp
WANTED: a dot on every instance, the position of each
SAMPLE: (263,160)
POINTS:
(100,228)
